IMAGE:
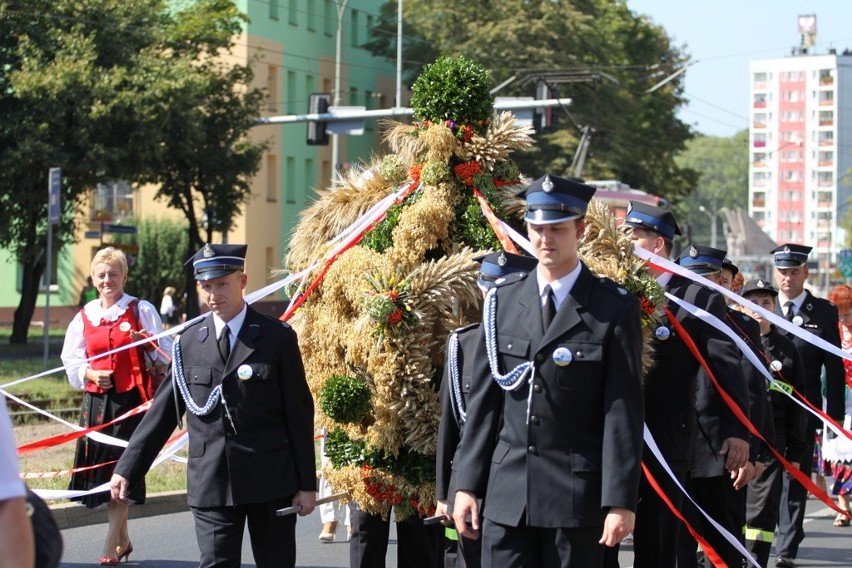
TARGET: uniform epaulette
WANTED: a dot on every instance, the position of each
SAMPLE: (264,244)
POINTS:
(738,314)
(510,278)
(465,328)
(614,287)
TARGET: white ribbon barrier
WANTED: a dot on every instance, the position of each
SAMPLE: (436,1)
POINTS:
(167,453)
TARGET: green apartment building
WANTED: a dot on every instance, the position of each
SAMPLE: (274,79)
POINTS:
(292,44)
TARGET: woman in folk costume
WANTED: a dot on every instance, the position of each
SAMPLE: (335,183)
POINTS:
(114,384)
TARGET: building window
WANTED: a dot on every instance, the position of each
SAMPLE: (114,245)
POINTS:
(329,18)
(273,9)
(825,138)
(310,176)
(293,12)
(825,158)
(826,118)
(291,92)
(826,98)
(290,186)
(826,77)
(825,179)
(354,28)
(759,78)
(312,15)
(271,178)
(112,202)
(272,88)
(759,140)
(760,100)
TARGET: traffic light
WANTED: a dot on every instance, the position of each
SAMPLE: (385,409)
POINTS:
(318,104)
(545,117)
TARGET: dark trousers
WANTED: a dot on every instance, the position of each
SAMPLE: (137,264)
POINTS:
(219,531)
(762,507)
(656,532)
(461,552)
(418,545)
(534,547)
(794,497)
(726,506)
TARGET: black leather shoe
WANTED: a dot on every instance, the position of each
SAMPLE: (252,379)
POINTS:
(783,562)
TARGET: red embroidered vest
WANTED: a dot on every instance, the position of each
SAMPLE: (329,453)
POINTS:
(106,337)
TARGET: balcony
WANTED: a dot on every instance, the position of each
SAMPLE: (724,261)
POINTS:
(760,143)
(759,164)
(825,102)
(761,104)
(825,204)
(826,163)
(758,125)
(759,203)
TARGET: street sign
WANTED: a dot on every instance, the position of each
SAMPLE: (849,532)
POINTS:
(352,121)
(844,262)
(123,229)
(54,185)
(92,234)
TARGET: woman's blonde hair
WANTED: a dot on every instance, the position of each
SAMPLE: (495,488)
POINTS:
(109,255)
(169,291)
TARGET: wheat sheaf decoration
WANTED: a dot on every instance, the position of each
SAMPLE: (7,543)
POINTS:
(372,332)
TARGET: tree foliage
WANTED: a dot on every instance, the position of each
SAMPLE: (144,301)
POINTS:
(106,90)
(722,182)
(163,248)
(610,57)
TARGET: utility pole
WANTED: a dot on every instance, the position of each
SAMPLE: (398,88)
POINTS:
(399,54)
(335,138)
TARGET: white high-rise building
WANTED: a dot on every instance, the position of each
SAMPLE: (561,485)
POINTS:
(800,146)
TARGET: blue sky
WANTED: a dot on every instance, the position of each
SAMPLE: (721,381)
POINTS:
(722,36)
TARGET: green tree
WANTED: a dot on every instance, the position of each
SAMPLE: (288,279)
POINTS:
(722,183)
(163,248)
(608,57)
(107,89)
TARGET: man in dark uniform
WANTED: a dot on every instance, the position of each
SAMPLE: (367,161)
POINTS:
(250,421)
(789,420)
(819,317)
(455,389)
(721,493)
(669,391)
(557,403)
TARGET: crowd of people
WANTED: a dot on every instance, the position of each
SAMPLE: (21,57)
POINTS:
(540,446)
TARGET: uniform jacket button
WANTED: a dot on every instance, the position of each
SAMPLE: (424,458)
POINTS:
(534,419)
(532,449)
(536,388)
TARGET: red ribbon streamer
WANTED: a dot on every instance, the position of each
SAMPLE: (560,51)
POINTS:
(69,436)
(705,546)
(794,471)
(504,239)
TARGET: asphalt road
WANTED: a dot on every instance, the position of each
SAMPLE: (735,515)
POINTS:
(168,541)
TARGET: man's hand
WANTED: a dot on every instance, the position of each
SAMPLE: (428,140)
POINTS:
(736,451)
(759,468)
(118,487)
(617,525)
(441,509)
(743,475)
(464,508)
(307,500)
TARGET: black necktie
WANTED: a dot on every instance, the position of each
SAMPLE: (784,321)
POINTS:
(790,311)
(548,312)
(225,344)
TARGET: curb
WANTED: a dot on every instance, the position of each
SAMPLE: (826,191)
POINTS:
(72,515)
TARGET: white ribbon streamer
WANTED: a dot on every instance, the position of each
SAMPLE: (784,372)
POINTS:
(652,445)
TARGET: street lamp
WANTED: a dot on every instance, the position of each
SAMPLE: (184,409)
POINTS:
(335,138)
(712,216)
